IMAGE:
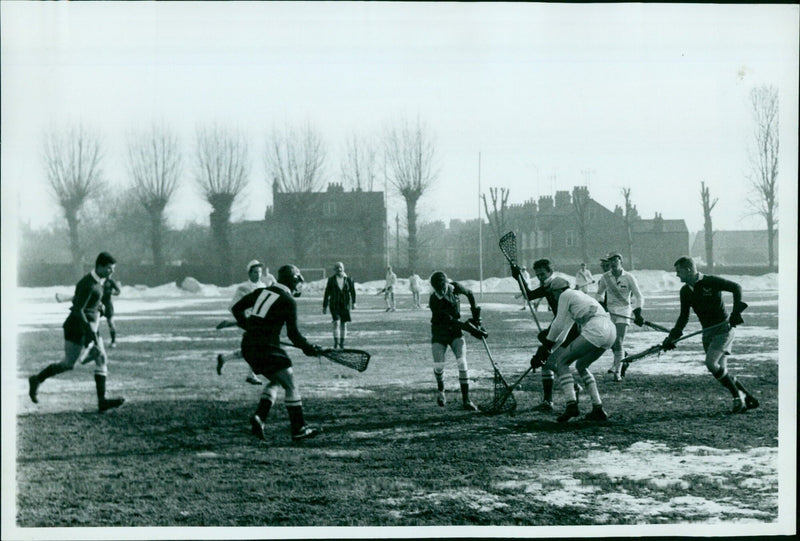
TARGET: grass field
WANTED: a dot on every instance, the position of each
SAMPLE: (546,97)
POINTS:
(180,452)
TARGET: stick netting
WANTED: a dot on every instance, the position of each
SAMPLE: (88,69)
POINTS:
(503,400)
(351,358)
(508,245)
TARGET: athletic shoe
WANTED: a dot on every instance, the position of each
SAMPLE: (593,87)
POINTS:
(388,309)
(570,412)
(112,345)
(545,406)
(220,363)
(440,399)
(469,406)
(110,403)
(750,401)
(252,380)
(305,433)
(610,371)
(739,405)
(33,387)
(597,414)
(257,427)
(617,377)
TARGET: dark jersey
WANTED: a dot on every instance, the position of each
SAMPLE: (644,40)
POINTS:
(546,293)
(263,313)
(110,287)
(705,298)
(339,299)
(445,313)
(85,307)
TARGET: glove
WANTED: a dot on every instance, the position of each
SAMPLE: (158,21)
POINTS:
(476,315)
(669,341)
(312,350)
(515,272)
(540,357)
(735,319)
(474,328)
(637,317)
(542,337)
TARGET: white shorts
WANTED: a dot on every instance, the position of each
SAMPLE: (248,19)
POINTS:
(600,331)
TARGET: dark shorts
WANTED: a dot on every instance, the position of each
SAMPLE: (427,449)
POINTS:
(108,310)
(342,315)
(445,334)
(73,332)
(265,359)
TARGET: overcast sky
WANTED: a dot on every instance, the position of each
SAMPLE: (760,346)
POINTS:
(551,96)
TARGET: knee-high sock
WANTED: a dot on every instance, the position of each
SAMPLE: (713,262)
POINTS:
(567,386)
(548,380)
(296,419)
(100,384)
(591,388)
(438,373)
(49,371)
(728,381)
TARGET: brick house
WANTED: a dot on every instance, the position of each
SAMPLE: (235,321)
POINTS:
(745,248)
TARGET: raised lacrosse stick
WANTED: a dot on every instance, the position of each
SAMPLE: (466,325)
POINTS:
(508,245)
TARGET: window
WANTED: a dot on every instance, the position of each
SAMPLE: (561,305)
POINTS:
(570,236)
(329,208)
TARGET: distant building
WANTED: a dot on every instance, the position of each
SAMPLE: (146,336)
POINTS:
(746,248)
(316,229)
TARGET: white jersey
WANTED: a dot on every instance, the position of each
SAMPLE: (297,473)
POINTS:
(622,293)
(583,278)
(244,288)
(414,281)
(391,280)
(594,322)
(268,279)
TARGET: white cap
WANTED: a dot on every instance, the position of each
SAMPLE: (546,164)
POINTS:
(254,263)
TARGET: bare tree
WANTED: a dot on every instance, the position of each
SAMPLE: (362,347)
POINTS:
(629,217)
(359,171)
(72,160)
(221,173)
(708,206)
(580,202)
(497,217)
(409,152)
(764,160)
(155,166)
(295,160)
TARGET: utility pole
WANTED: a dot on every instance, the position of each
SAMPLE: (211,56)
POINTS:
(397,236)
(480,232)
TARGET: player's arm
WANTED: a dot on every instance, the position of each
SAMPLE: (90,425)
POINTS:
(683,319)
(352,290)
(325,295)
(294,333)
(79,303)
(241,306)
(732,287)
(560,322)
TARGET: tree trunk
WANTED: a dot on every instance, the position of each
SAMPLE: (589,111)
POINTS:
(771,241)
(221,234)
(709,237)
(157,243)
(74,242)
(411,215)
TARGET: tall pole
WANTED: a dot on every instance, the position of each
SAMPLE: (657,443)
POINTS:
(386,257)
(480,232)
(397,236)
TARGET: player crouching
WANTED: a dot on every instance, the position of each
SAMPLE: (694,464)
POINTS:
(597,334)
(262,315)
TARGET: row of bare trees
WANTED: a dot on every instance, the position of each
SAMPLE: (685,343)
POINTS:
(295,160)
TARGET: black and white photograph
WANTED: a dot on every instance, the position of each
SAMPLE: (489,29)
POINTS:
(342,270)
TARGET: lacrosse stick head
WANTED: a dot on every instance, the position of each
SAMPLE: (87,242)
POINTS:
(508,245)
(351,358)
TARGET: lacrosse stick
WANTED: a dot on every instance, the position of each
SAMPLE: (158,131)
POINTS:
(351,358)
(659,347)
(226,324)
(508,245)
(503,401)
(655,326)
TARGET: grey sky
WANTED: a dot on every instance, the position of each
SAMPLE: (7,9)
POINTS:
(651,97)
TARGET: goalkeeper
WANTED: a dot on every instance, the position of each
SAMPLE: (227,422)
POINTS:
(268,309)
(703,293)
(445,305)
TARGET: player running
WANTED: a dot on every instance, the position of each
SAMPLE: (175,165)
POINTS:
(445,305)
(262,314)
(81,337)
(622,294)
(703,294)
(597,334)
(255,271)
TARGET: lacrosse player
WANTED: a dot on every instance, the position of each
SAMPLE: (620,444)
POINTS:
(543,269)
(703,294)
(583,278)
(110,288)
(340,295)
(414,284)
(621,293)
(262,314)
(255,271)
(388,289)
(597,334)
(445,305)
(81,338)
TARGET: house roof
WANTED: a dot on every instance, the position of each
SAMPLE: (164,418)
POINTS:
(741,240)
(669,226)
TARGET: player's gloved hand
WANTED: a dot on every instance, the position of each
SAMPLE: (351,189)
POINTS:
(515,272)
(540,357)
(312,350)
(637,317)
(476,315)
(669,341)
(542,336)
(324,310)
(735,319)
(474,328)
